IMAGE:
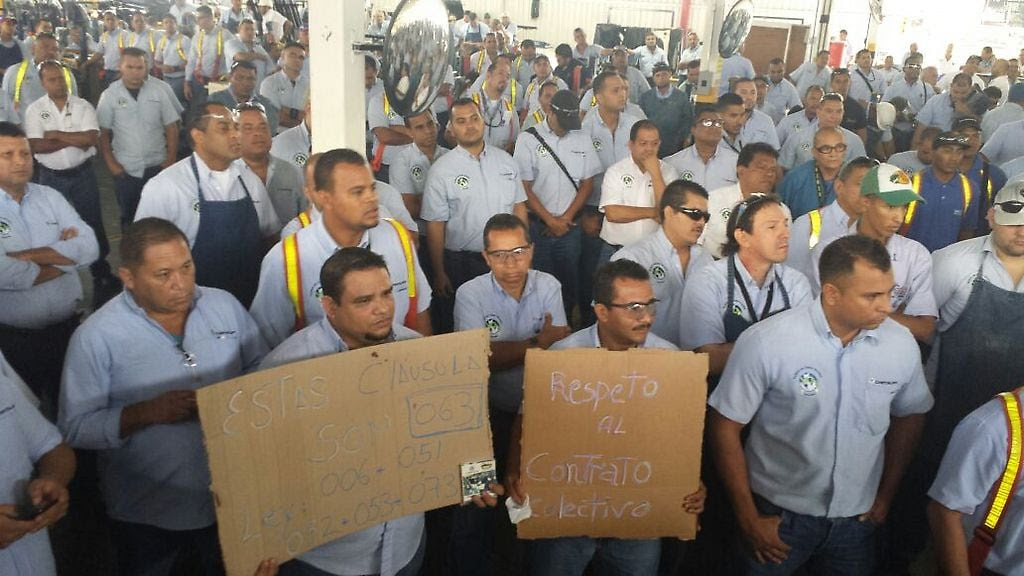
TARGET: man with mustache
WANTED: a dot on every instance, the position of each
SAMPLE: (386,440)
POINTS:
(625,306)
(222,208)
(671,253)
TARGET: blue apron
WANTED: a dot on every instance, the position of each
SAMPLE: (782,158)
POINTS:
(734,323)
(228,249)
(979,357)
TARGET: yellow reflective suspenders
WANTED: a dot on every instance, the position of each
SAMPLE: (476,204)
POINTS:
(1002,494)
(19,81)
(304,219)
(916,185)
(293,279)
(407,249)
(815,216)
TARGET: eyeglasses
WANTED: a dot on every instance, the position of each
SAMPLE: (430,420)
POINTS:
(828,149)
(637,309)
(708,123)
(839,71)
(693,213)
(912,66)
(1011,206)
(512,255)
(832,97)
(752,200)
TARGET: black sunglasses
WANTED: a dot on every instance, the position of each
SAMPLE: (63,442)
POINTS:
(693,213)
(1011,206)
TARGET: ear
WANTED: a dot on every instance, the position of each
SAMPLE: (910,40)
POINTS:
(127,279)
(601,312)
(329,306)
(830,294)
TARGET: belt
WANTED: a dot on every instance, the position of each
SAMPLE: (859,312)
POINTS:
(68,172)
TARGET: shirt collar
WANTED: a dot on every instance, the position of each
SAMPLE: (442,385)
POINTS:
(749,280)
(531,285)
(330,335)
(821,326)
(205,172)
(327,242)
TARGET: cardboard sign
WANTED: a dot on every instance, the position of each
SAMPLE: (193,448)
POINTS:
(306,453)
(612,442)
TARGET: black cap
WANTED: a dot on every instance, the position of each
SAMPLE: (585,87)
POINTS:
(968,123)
(660,67)
(566,106)
(950,139)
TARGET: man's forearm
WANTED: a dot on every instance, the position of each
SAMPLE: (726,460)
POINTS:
(948,540)
(622,214)
(900,443)
(435,245)
(44,256)
(58,464)
(732,464)
(171,134)
(582,195)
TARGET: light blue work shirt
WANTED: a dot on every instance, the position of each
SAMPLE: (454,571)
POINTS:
(237,46)
(799,189)
(955,269)
(916,94)
(536,165)
(118,357)
(912,292)
(808,74)
(272,307)
(705,299)
(137,126)
(380,116)
(759,128)
(283,92)
(907,161)
(610,147)
(819,411)
(147,41)
(409,172)
(31,87)
(668,279)
(483,303)
(589,338)
(227,98)
(111,43)
(797,149)
(835,223)
(284,187)
(993,119)
(864,85)
(973,464)
(25,437)
(38,222)
(207,56)
(937,222)
(7,111)
(790,125)
(465,192)
(735,66)
(779,98)
(170,51)
(295,146)
(720,170)
(938,112)
(1006,143)
(371,550)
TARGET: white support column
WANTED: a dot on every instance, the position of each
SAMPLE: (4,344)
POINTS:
(336,74)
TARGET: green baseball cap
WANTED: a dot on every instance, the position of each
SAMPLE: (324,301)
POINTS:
(890,184)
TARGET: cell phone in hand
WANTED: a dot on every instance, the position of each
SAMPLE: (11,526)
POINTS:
(24,509)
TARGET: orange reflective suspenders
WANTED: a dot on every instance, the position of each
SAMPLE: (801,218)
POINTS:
(1002,492)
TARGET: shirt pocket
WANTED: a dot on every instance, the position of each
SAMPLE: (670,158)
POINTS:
(875,407)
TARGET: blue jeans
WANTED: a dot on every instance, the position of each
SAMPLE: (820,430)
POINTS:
(299,568)
(144,550)
(611,556)
(128,189)
(834,546)
(560,257)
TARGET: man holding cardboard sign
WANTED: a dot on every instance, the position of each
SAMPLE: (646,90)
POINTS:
(625,308)
(359,308)
(825,388)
